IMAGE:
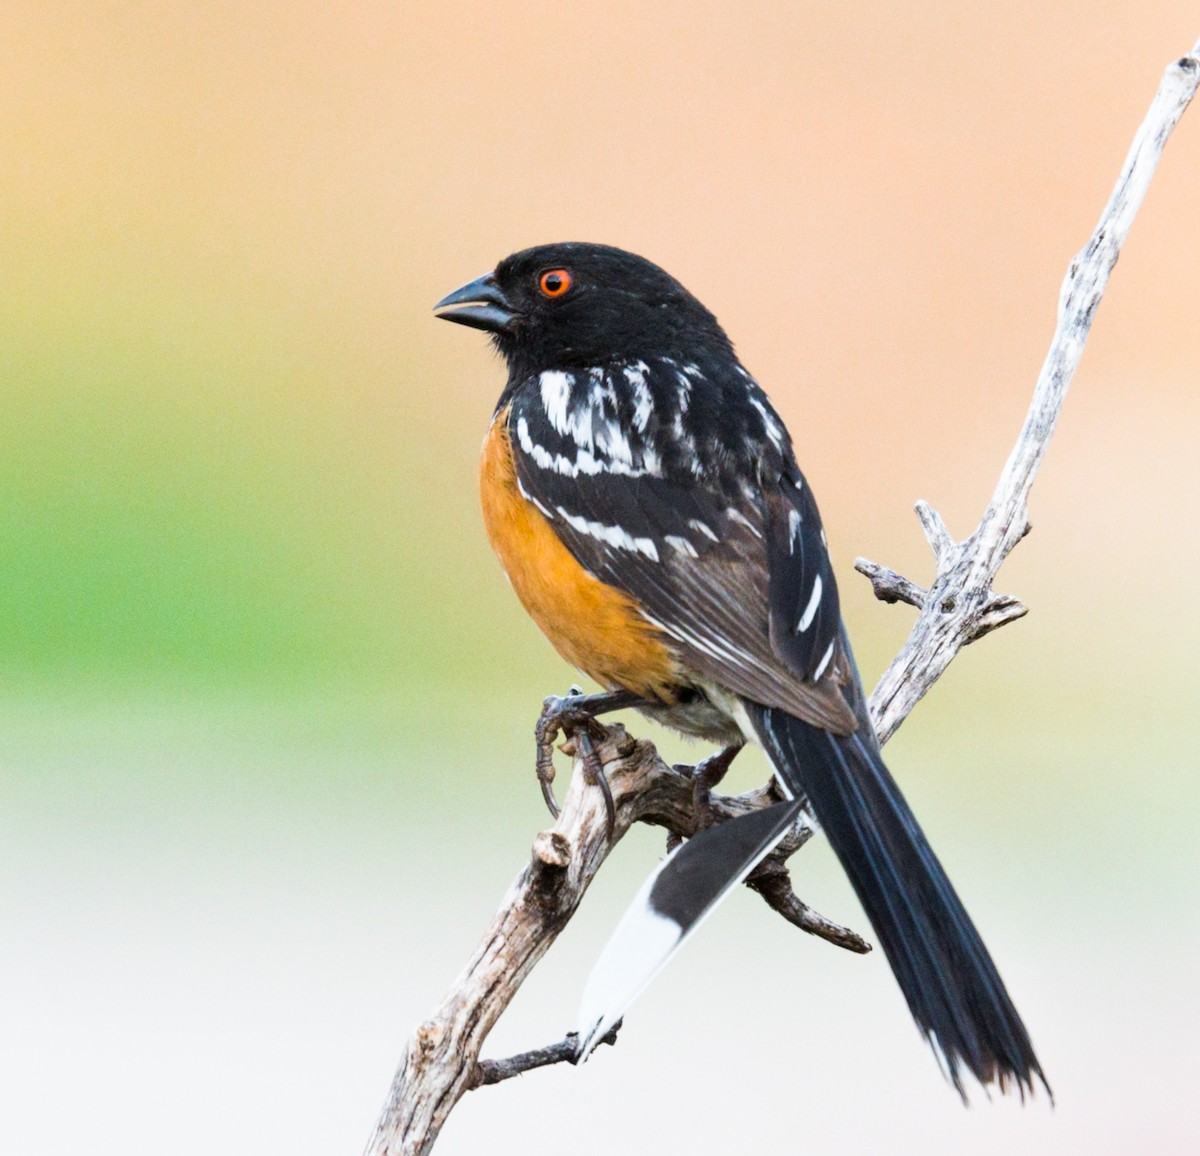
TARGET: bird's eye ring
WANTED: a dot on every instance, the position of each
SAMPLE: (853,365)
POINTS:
(554,282)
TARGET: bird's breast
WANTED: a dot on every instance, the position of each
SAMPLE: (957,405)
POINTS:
(594,626)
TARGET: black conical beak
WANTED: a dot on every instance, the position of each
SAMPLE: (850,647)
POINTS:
(479,304)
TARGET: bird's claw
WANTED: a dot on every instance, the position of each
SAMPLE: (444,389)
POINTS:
(574,715)
(705,775)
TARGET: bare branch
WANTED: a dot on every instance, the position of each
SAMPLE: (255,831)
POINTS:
(890,586)
(772,881)
(564,1052)
(443,1055)
(936,533)
(442,1059)
(959,606)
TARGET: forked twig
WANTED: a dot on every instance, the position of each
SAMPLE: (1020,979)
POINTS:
(959,605)
(563,1052)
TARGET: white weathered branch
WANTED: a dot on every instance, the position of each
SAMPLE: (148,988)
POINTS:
(442,1059)
(959,606)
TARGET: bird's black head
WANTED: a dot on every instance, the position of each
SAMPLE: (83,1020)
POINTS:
(575,305)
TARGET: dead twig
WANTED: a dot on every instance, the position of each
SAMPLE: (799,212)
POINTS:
(563,1052)
(959,605)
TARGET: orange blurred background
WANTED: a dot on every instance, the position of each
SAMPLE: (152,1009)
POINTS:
(265,699)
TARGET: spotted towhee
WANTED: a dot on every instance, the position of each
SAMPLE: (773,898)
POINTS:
(643,497)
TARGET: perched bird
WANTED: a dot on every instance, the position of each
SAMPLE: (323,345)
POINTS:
(643,497)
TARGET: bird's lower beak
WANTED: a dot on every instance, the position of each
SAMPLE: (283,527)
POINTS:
(479,304)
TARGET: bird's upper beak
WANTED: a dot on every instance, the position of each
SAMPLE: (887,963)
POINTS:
(480,304)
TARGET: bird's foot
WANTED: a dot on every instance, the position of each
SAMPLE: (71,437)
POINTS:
(705,775)
(574,715)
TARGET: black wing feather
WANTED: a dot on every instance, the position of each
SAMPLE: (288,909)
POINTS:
(802,629)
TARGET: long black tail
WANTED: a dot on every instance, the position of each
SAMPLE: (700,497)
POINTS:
(950,982)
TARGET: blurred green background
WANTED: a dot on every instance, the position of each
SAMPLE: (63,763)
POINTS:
(265,699)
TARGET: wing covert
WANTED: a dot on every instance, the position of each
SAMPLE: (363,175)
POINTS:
(713,567)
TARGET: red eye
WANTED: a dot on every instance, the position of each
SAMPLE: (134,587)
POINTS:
(554,282)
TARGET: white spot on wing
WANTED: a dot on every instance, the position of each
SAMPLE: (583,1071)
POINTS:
(584,462)
(710,646)
(810,611)
(794,521)
(602,387)
(736,515)
(703,528)
(575,422)
(530,498)
(824,661)
(616,536)
(612,440)
(773,428)
(556,389)
(682,545)
(608,439)
(643,401)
